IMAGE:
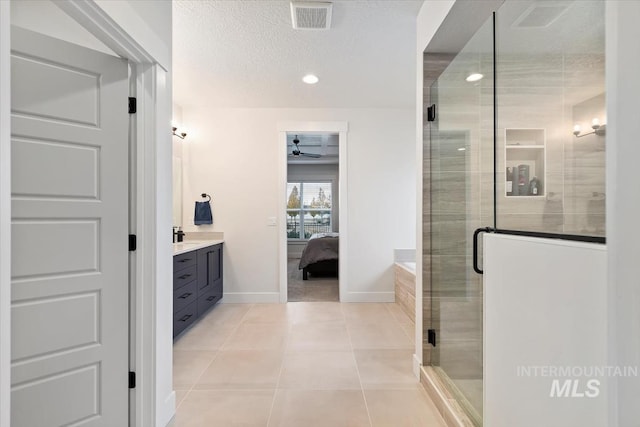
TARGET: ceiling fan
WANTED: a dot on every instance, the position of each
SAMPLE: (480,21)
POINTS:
(297,153)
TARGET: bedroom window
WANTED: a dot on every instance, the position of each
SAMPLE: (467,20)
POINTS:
(308,209)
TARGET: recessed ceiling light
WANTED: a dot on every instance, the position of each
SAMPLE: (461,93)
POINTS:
(474,77)
(462,149)
(310,79)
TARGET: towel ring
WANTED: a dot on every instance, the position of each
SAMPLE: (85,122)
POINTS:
(206,195)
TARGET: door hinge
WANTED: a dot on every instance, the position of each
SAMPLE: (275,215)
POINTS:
(133,105)
(132,379)
(431,337)
(133,242)
(431,113)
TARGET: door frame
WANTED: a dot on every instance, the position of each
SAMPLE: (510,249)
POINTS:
(341,128)
(150,144)
(5,215)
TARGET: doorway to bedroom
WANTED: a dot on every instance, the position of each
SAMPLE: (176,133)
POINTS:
(312,216)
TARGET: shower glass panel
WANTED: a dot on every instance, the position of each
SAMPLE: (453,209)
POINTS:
(551,128)
(461,200)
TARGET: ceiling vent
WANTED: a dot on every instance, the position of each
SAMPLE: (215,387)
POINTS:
(541,14)
(308,15)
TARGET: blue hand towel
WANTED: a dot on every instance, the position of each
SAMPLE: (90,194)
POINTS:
(203,214)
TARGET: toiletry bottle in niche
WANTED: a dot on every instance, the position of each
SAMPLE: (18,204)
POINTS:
(509,181)
(523,180)
(534,186)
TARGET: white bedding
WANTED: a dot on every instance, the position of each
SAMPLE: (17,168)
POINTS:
(319,235)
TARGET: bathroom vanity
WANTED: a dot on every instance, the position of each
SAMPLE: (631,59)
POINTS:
(197,281)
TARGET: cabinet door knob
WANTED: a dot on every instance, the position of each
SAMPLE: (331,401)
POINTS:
(184,296)
(185,317)
(185,276)
(211,298)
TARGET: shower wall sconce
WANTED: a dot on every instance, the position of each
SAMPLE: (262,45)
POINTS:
(598,129)
(180,135)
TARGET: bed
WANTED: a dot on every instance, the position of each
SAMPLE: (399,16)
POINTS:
(320,256)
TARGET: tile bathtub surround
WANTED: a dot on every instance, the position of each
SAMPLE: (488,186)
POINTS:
(301,363)
(405,287)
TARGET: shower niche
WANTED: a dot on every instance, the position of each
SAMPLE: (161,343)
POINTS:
(525,159)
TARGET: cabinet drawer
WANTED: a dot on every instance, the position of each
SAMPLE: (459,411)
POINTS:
(206,301)
(184,318)
(184,260)
(184,296)
(184,276)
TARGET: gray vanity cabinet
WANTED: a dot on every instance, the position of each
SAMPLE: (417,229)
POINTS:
(197,285)
(209,277)
(185,285)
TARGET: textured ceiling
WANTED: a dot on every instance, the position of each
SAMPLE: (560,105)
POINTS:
(245,53)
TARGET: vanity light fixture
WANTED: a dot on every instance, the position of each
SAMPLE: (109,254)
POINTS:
(474,77)
(598,129)
(310,79)
(174,131)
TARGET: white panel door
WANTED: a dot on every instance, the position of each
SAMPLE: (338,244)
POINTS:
(69,249)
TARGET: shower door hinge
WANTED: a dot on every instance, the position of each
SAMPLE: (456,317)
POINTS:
(431,113)
(431,337)
(133,242)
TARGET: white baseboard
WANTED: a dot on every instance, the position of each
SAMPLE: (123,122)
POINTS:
(168,410)
(274,297)
(250,297)
(370,297)
(417,364)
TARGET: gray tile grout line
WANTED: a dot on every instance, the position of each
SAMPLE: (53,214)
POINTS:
(284,355)
(286,347)
(217,352)
(355,361)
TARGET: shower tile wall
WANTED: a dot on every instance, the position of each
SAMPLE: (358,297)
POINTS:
(553,92)
(584,173)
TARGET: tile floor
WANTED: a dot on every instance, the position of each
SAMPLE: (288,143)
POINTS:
(301,364)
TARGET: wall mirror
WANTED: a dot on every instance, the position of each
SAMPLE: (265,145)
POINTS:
(177,191)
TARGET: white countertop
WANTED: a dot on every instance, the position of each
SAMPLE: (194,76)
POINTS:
(192,245)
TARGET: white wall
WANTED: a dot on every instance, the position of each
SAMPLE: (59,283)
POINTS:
(148,22)
(233,157)
(623,204)
(44,17)
(544,305)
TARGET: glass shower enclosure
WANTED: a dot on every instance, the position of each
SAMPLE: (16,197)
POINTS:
(514,140)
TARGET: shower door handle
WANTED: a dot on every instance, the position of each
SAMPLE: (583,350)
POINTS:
(475,247)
